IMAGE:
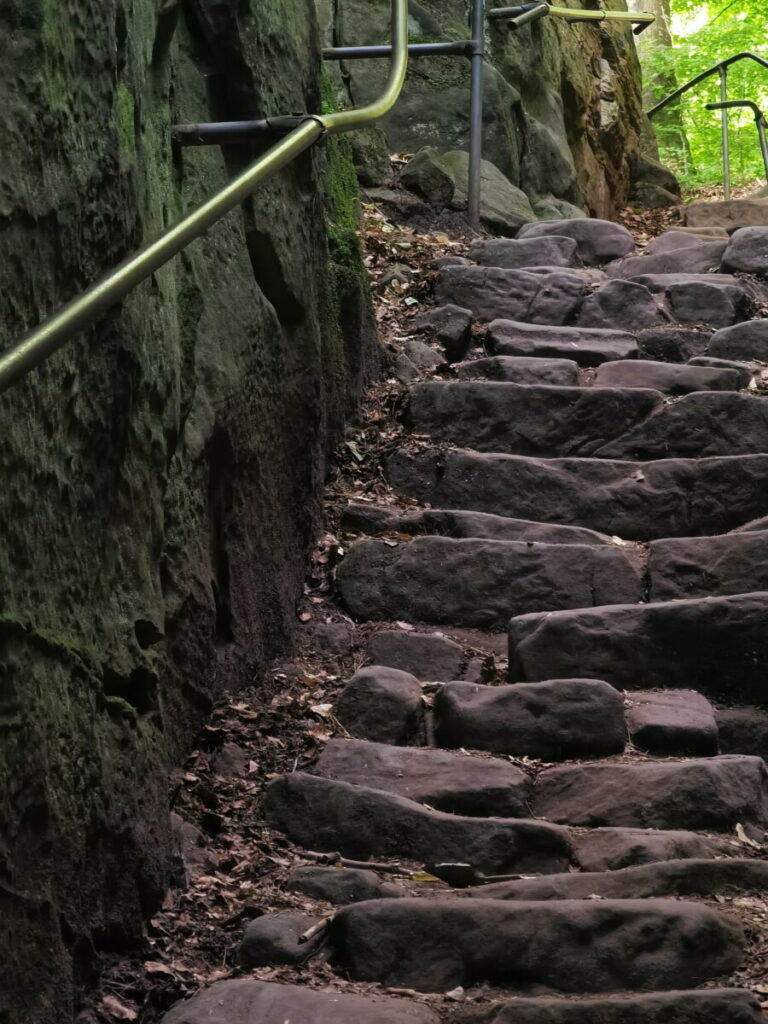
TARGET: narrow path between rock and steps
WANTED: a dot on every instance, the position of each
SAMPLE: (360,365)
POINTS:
(581,841)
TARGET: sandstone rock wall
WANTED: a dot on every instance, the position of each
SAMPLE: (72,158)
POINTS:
(160,476)
(563,111)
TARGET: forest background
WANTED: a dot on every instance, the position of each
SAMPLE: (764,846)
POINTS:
(690,36)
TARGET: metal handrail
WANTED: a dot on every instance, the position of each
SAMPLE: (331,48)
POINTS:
(524,14)
(54,332)
(760,123)
(721,69)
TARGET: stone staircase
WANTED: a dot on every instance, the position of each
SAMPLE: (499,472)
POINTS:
(595,483)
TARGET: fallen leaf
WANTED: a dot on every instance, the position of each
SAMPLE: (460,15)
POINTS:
(117,1009)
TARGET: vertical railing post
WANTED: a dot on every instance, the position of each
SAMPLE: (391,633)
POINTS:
(476,113)
(724,128)
(760,121)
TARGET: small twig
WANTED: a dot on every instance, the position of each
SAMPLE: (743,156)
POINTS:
(365,865)
(316,929)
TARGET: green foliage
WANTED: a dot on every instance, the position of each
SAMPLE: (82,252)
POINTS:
(704,33)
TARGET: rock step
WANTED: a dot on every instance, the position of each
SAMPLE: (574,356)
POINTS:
(551,297)
(476,787)
(664,878)
(669,378)
(672,722)
(361,822)
(686,567)
(718,300)
(521,370)
(613,848)
(704,794)
(597,241)
(568,946)
(582,345)
(707,1006)
(555,720)
(634,500)
(480,583)
(699,258)
(460,524)
(720,642)
(601,422)
(246,1001)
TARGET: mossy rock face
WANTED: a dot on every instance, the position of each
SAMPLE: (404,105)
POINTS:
(162,473)
(563,105)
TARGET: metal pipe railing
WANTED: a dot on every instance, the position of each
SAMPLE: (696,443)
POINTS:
(54,332)
(760,123)
(714,70)
(457,48)
(721,69)
(524,14)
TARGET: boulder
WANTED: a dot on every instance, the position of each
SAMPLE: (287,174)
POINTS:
(730,214)
(747,251)
(652,197)
(711,299)
(442,180)
(451,326)
(676,239)
(425,655)
(709,794)
(490,293)
(382,704)
(598,241)
(360,823)
(423,356)
(565,946)
(743,730)
(721,642)
(672,722)
(554,720)
(455,783)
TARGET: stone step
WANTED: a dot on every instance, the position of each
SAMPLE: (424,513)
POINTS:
(634,500)
(742,341)
(598,241)
(720,642)
(459,524)
(553,297)
(679,239)
(428,656)
(360,822)
(699,258)
(566,946)
(611,848)
(664,878)
(492,416)
(697,1006)
(744,370)
(670,378)
(479,583)
(517,254)
(673,344)
(717,300)
(521,370)
(603,422)
(685,567)
(585,346)
(705,794)
(621,305)
(247,1001)
(476,787)
(672,722)
(553,721)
